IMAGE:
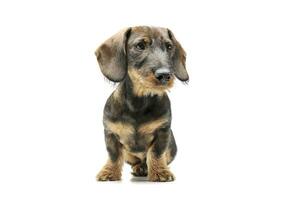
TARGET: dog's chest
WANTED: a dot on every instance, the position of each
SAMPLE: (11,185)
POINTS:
(136,142)
(135,137)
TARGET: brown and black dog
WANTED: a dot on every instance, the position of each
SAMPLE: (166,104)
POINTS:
(137,116)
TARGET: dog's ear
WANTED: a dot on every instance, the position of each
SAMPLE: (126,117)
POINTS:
(179,59)
(112,56)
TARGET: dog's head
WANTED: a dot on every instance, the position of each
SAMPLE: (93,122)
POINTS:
(151,56)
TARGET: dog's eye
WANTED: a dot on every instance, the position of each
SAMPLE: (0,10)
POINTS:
(168,46)
(141,45)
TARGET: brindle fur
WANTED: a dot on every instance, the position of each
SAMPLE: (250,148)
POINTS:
(137,116)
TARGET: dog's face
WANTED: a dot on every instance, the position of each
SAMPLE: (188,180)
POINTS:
(151,56)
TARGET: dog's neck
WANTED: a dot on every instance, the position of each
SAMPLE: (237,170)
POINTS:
(135,102)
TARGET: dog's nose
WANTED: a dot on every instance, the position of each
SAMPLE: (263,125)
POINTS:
(163,75)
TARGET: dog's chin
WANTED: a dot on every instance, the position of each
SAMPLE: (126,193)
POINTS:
(163,86)
(148,85)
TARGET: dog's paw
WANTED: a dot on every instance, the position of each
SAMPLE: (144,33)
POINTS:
(163,175)
(108,175)
(139,170)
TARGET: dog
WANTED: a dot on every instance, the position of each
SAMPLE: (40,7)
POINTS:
(144,61)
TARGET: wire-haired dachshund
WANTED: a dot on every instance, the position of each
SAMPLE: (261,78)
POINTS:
(137,116)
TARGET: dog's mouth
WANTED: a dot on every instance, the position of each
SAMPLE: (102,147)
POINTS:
(151,82)
(163,82)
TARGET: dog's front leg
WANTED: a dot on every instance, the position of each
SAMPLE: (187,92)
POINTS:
(112,169)
(156,158)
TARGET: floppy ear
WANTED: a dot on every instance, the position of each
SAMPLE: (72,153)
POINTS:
(112,56)
(179,59)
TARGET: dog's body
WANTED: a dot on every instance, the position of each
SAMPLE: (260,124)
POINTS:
(137,116)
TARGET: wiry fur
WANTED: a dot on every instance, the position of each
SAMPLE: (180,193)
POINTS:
(137,116)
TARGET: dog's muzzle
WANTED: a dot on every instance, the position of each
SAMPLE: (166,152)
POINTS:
(163,75)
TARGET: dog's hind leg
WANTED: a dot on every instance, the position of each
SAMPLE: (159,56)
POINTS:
(138,164)
(139,169)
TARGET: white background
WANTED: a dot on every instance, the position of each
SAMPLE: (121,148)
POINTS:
(228,122)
